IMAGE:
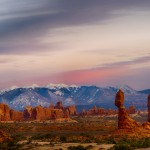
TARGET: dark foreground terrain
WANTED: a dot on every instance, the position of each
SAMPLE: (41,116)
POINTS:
(89,133)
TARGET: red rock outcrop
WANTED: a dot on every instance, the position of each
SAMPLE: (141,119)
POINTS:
(98,111)
(38,113)
(148,105)
(72,110)
(83,112)
(146,125)
(51,106)
(66,114)
(16,115)
(4,136)
(131,110)
(124,120)
(57,113)
(5,112)
(59,105)
(27,113)
(101,111)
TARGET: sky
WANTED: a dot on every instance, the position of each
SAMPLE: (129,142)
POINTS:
(83,42)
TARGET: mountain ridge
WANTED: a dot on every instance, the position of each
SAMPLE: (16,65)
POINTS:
(19,97)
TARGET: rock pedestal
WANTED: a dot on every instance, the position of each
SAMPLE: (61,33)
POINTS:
(148,105)
(124,120)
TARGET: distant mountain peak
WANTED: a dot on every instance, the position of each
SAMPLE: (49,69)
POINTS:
(126,89)
(54,86)
(9,89)
(33,86)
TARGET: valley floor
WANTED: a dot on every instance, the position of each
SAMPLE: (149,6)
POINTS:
(91,133)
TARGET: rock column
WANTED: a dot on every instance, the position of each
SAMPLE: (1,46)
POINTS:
(148,105)
(124,120)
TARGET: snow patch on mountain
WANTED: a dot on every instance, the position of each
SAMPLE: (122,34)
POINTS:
(8,89)
(59,93)
(127,89)
(29,98)
(33,86)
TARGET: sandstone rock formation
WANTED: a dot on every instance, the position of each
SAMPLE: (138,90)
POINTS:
(124,121)
(38,113)
(66,114)
(27,113)
(98,111)
(5,111)
(16,115)
(148,105)
(72,110)
(131,110)
(59,105)
(51,106)
(3,136)
(83,112)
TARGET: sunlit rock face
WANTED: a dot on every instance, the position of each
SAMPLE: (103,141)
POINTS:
(5,112)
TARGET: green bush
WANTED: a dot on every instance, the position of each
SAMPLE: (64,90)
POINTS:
(79,147)
(63,139)
(122,147)
(41,136)
(11,145)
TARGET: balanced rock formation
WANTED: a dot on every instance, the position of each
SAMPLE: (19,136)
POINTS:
(124,120)
(148,105)
(5,112)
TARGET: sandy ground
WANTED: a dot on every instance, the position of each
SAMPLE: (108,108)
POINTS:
(64,146)
(143,149)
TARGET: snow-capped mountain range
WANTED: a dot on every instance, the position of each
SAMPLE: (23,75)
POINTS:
(19,97)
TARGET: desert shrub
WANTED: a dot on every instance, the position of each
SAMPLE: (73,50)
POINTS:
(122,147)
(143,143)
(51,144)
(79,147)
(63,139)
(146,143)
(41,136)
(11,145)
(87,141)
(110,141)
(89,147)
(18,137)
